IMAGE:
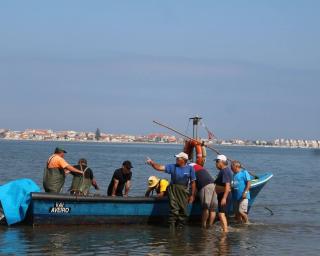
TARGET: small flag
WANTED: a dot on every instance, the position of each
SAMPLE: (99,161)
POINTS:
(210,134)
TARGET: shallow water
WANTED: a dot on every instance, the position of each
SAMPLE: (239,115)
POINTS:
(292,197)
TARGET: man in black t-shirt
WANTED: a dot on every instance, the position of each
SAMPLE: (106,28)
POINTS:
(121,179)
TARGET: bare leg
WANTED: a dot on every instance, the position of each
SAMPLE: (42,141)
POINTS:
(205,216)
(244,217)
(212,216)
(223,220)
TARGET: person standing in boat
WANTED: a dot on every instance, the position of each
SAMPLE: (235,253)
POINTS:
(121,179)
(178,192)
(81,183)
(158,185)
(207,195)
(223,189)
(240,191)
(56,170)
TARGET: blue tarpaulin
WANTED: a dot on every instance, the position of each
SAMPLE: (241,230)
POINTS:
(15,199)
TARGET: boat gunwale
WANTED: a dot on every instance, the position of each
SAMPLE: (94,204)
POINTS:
(42,196)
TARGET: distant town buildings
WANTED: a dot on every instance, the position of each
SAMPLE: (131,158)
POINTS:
(50,135)
(289,143)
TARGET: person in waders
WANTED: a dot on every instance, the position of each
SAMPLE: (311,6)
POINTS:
(56,170)
(178,192)
(81,183)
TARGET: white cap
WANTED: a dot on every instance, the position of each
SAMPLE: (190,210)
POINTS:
(182,155)
(222,158)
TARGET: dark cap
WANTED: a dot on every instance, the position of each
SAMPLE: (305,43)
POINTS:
(127,164)
(59,150)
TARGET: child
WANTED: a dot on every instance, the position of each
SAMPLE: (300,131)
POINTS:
(240,192)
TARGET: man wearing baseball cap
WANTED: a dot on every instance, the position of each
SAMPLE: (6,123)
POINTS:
(121,179)
(178,192)
(223,189)
(56,170)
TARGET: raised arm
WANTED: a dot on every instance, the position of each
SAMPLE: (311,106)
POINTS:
(158,167)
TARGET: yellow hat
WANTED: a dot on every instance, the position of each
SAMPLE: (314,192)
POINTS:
(153,181)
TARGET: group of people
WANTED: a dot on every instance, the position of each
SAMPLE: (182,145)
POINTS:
(188,180)
(57,168)
(213,193)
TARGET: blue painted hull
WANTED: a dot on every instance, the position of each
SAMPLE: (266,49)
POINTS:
(63,209)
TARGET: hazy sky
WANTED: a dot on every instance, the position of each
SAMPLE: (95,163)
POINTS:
(251,69)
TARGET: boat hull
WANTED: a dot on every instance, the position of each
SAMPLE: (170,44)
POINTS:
(62,209)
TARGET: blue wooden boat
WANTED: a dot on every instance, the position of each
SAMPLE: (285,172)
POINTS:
(66,209)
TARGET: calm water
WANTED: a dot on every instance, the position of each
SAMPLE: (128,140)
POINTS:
(292,195)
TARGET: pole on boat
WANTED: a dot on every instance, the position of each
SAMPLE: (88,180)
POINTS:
(195,122)
(197,141)
(188,137)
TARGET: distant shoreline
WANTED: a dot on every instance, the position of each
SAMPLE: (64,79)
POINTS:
(156,143)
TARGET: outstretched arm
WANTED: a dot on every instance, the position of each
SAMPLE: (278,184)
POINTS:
(158,167)
(72,169)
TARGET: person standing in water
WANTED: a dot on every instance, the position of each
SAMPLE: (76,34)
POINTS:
(207,195)
(240,191)
(223,189)
(178,192)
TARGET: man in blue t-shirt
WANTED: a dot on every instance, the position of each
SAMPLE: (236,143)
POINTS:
(240,191)
(178,193)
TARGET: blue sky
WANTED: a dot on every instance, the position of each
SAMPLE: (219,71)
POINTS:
(250,68)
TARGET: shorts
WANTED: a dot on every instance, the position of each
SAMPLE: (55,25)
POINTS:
(208,197)
(225,208)
(241,206)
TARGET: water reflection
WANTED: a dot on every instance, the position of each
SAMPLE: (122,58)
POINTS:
(154,240)
(12,241)
(112,240)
